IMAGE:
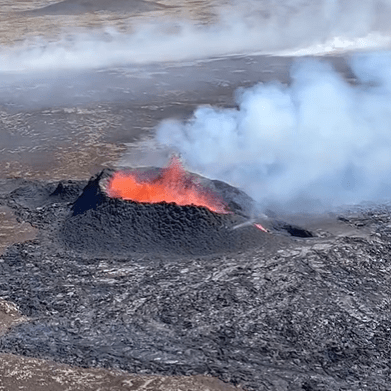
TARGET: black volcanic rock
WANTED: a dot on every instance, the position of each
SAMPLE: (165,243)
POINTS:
(66,191)
(100,224)
(92,195)
(179,290)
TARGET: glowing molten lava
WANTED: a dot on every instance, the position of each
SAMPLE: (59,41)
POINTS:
(174,184)
(261,227)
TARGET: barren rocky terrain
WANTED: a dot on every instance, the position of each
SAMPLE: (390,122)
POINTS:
(281,310)
(290,312)
(31,19)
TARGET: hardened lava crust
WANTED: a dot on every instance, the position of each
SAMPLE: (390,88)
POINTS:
(305,307)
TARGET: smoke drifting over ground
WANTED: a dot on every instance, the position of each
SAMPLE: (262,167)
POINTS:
(319,142)
(240,27)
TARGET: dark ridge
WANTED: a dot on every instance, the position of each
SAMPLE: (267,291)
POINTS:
(36,194)
(74,7)
(31,195)
(67,191)
(92,194)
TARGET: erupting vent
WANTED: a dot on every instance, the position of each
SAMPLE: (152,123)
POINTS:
(165,211)
(172,185)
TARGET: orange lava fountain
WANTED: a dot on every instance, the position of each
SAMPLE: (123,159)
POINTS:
(174,184)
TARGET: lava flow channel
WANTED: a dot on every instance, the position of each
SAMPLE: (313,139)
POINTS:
(174,184)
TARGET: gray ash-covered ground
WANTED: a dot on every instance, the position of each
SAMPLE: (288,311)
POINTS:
(286,313)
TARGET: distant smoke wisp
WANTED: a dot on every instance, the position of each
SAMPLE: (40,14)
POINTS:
(270,27)
(319,141)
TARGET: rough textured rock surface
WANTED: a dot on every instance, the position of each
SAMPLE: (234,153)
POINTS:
(293,313)
(99,224)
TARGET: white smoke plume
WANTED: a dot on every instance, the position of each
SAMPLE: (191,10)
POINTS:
(319,142)
(242,27)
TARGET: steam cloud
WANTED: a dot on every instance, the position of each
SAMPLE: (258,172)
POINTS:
(318,141)
(269,26)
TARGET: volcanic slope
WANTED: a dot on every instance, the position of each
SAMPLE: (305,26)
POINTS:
(289,313)
(103,225)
